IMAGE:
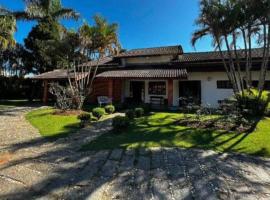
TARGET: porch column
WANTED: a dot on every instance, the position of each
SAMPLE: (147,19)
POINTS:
(170,92)
(45,92)
(110,88)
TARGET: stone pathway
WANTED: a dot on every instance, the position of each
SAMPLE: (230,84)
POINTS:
(33,168)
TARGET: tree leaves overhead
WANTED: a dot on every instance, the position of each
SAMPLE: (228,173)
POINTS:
(102,37)
(40,9)
(7,30)
(41,44)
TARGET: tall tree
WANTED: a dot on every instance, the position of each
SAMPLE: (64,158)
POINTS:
(41,9)
(232,23)
(41,44)
(96,42)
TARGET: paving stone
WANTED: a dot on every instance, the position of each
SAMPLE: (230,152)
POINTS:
(157,160)
(116,154)
(127,163)
(144,151)
(143,163)
(110,168)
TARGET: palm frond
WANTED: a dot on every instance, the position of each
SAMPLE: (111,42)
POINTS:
(66,13)
(198,35)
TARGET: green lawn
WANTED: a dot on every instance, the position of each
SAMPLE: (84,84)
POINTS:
(160,129)
(50,125)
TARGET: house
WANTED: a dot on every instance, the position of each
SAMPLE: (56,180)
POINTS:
(162,75)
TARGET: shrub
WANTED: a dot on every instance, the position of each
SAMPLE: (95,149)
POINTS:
(120,122)
(109,109)
(84,116)
(139,112)
(130,114)
(251,102)
(147,108)
(98,112)
(267,110)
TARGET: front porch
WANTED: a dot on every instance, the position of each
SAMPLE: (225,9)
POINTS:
(160,87)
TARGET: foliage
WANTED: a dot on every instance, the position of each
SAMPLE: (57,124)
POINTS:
(42,9)
(84,116)
(13,62)
(161,130)
(52,125)
(109,109)
(96,42)
(139,112)
(252,105)
(7,30)
(236,24)
(98,112)
(130,114)
(19,88)
(120,123)
(40,42)
(267,110)
(63,96)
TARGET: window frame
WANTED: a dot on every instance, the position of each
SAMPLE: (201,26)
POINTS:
(224,84)
(159,89)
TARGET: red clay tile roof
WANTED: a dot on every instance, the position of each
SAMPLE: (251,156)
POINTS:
(167,50)
(214,55)
(102,61)
(145,73)
(58,74)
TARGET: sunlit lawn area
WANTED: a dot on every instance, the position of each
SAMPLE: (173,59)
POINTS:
(51,125)
(160,129)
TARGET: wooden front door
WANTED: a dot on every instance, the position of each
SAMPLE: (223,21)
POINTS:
(137,91)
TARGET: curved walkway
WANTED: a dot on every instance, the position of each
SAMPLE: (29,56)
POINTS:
(33,167)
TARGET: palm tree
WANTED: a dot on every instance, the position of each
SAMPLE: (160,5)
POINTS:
(233,22)
(96,42)
(105,38)
(212,23)
(99,40)
(40,9)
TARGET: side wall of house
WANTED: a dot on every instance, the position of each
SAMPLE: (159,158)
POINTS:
(101,88)
(210,94)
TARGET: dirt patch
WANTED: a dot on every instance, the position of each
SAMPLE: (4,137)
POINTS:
(5,158)
(67,112)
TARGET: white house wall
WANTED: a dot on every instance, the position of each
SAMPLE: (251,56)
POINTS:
(210,94)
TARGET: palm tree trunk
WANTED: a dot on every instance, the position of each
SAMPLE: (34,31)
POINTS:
(265,60)
(238,65)
(231,63)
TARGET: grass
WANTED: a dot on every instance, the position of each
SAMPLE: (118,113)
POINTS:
(51,125)
(160,130)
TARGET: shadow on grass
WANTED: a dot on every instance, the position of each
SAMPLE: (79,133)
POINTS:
(71,174)
(163,132)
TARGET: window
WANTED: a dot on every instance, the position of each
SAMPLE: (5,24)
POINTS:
(256,83)
(157,88)
(224,85)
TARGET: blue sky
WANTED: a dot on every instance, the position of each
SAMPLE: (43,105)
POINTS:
(142,23)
